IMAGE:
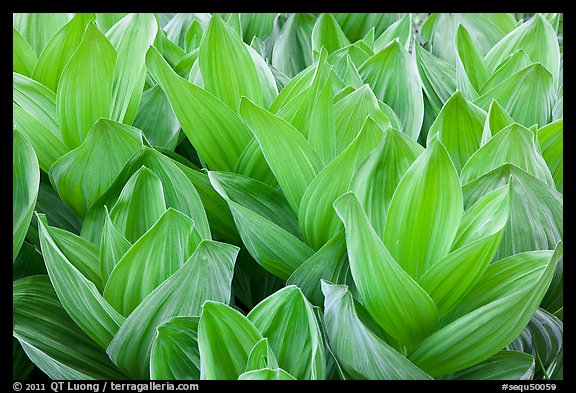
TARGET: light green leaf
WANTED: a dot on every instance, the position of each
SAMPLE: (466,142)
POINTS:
(85,89)
(485,331)
(427,200)
(114,144)
(317,218)
(156,119)
(140,204)
(252,163)
(205,276)
(23,57)
(509,66)
(59,50)
(38,28)
(496,120)
(361,352)
(329,263)
(459,126)
(160,252)
(470,59)
(537,38)
(108,19)
(25,183)
(214,130)
(193,36)
(225,339)
(438,77)
(261,356)
(131,37)
(113,245)
(378,176)
(381,280)
(515,145)
(51,339)
(174,353)
(528,96)
(266,374)
(227,68)
(322,132)
(328,34)
(287,319)
(170,51)
(265,76)
(356,24)
(292,51)
(505,365)
(79,296)
(403,92)
(551,142)
(284,148)
(400,29)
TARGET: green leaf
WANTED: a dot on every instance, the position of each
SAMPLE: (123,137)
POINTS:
(177,26)
(361,352)
(113,245)
(21,365)
(286,318)
(131,37)
(509,66)
(114,144)
(318,220)
(551,142)
(59,215)
(505,365)
(485,331)
(459,126)
(284,148)
(328,34)
(261,356)
(38,28)
(356,24)
(400,29)
(227,68)
(205,276)
(23,57)
(266,374)
(140,204)
(225,339)
(215,131)
(438,77)
(169,50)
(265,76)
(329,263)
(59,50)
(154,257)
(470,59)
(351,112)
(29,262)
(496,120)
(292,51)
(528,96)
(449,279)
(537,38)
(253,164)
(51,339)
(79,296)
(403,92)
(378,176)
(427,200)
(174,353)
(515,145)
(108,19)
(25,183)
(381,280)
(85,89)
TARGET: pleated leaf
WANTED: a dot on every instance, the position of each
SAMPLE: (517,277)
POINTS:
(505,365)
(292,51)
(438,77)
(382,282)
(328,34)
(509,66)
(227,68)
(252,163)
(131,37)
(23,57)
(38,28)
(79,296)
(318,220)
(225,339)
(114,144)
(261,356)
(482,333)
(25,183)
(206,275)
(496,120)
(361,352)
(471,59)
(85,89)
(213,128)
(551,142)
(378,176)
(59,50)
(403,91)
(286,318)
(427,201)
(284,148)
(51,339)
(174,353)
(400,29)
(266,374)
(459,126)
(515,145)
(113,245)
(158,254)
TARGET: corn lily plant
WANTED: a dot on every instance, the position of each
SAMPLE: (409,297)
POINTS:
(287,196)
